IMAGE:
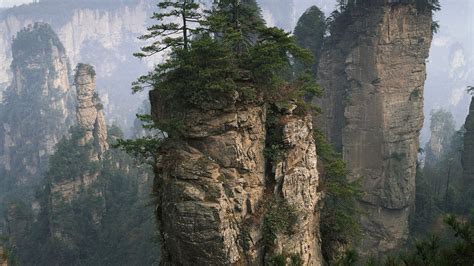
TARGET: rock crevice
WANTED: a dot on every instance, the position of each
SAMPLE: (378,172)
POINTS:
(213,189)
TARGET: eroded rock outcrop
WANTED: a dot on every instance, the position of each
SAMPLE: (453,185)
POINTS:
(468,153)
(297,183)
(36,112)
(90,115)
(215,189)
(91,197)
(442,129)
(373,72)
(89,139)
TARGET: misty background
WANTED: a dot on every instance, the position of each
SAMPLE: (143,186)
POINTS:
(449,67)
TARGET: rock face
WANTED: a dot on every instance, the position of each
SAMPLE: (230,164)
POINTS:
(214,189)
(90,115)
(468,153)
(297,182)
(373,72)
(93,138)
(36,112)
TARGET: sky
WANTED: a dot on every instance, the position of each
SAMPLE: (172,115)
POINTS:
(451,63)
(10,3)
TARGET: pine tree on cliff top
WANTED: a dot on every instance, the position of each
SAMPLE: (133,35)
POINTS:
(171,34)
(233,52)
(310,30)
(247,46)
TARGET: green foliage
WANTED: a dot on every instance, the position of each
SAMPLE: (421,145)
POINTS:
(285,260)
(235,57)
(454,249)
(274,149)
(427,5)
(90,70)
(310,31)
(421,5)
(71,160)
(42,35)
(440,187)
(415,94)
(237,22)
(171,34)
(105,222)
(349,258)
(280,218)
(470,90)
(341,17)
(340,214)
(278,260)
(145,149)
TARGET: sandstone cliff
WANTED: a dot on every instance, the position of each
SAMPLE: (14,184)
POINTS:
(468,153)
(373,71)
(36,112)
(90,115)
(220,202)
(91,140)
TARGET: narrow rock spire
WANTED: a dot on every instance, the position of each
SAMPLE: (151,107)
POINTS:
(373,69)
(90,115)
(468,153)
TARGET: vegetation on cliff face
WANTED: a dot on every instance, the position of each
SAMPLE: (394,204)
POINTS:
(310,32)
(340,17)
(234,53)
(103,223)
(422,5)
(35,112)
(44,38)
(340,228)
(234,59)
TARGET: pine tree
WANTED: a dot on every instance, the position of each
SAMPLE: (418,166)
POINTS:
(310,30)
(172,34)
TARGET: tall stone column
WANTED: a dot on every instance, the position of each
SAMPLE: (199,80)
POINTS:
(373,71)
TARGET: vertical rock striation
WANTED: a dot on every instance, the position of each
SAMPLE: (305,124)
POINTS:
(373,72)
(92,139)
(213,189)
(90,115)
(36,112)
(297,182)
(468,153)
(211,185)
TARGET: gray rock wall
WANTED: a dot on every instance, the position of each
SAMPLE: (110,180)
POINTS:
(373,71)
(213,187)
(468,153)
(297,181)
(89,110)
(38,107)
